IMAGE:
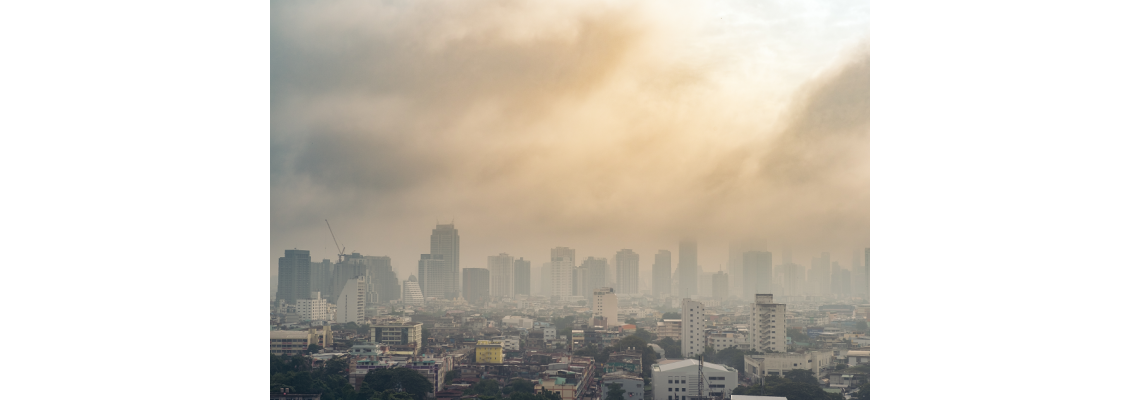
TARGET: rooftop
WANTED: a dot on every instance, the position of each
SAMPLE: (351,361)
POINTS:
(669,365)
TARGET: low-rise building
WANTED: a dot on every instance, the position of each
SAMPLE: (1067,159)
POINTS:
(287,343)
(856,357)
(628,361)
(669,328)
(488,352)
(402,337)
(777,364)
(677,379)
(632,384)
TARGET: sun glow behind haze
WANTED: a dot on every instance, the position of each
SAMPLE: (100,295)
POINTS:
(593,125)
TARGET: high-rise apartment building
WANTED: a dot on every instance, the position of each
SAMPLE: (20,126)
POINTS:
(522,277)
(626,266)
(445,243)
(293,275)
(412,295)
(564,252)
(594,277)
(321,278)
(687,278)
(561,277)
(692,328)
(605,305)
(545,278)
(502,269)
(476,285)
(757,273)
(662,273)
(720,285)
(350,302)
(767,331)
(383,285)
(435,276)
(736,263)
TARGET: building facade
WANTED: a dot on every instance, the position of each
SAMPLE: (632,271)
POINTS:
(445,244)
(293,274)
(476,285)
(434,276)
(502,269)
(663,273)
(692,328)
(488,352)
(687,269)
(522,277)
(412,295)
(350,303)
(626,268)
(768,330)
(606,306)
(400,337)
(678,380)
(562,277)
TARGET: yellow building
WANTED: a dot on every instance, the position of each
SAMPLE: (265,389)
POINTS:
(489,352)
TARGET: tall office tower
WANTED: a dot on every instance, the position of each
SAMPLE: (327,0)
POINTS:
(476,285)
(595,274)
(435,276)
(546,278)
(867,267)
(350,302)
(720,285)
(692,328)
(791,279)
(626,267)
(605,305)
(757,273)
(561,278)
(836,278)
(564,252)
(522,277)
(293,274)
(320,278)
(412,295)
(384,285)
(662,273)
(768,330)
(577,277)
(687,269)
(445,243)
(502,269)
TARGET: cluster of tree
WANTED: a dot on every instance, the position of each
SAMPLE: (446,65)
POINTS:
(731,356)
(861,326)
(601,356)
(797,384)
(331,381)
(797,335)
(517,389)
(671,315)
(615,392)
(672,347)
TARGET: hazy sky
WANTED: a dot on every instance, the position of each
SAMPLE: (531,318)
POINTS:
(594,125)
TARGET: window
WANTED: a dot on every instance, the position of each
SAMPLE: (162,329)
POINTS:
(670,389)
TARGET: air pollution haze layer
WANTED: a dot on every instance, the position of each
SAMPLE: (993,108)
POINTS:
(593,125)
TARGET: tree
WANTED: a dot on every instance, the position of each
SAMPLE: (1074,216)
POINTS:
(672,347)
(861,326)
(615,392)
(801,375)
(485,387)
(863,392)
(391,395)
(451,375)
(630,341)
(645,335)
(631,320)
(671,315)
(797,335)
(399,378)
(313,348)
(518,385)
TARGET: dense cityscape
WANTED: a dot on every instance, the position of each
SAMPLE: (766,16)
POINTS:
(571,327)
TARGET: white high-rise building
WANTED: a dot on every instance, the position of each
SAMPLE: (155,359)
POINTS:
(412,295)
(350,303)
(502,269)
(692,328)
(315,308)
(767,331)
(562,277)
(626,268)
(605,305)
(434,276)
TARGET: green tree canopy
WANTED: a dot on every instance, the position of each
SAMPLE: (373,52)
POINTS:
(485,387)
(615,392)
(671,315)
(518,385)
(801,375)
(405,379)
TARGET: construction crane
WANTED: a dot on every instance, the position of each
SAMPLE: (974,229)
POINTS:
(340,250)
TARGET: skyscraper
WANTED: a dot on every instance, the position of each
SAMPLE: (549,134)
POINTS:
(383,285)
(662,273)
(476,285)
(320,278)
(836,279)
(687,278)
(445,243)
(502,269)
(626,265)
(350,303)
(522,277)
(564,252)
(757,273)
(293,275)
(561,277)
(595,275)
(720,285)
(435,276)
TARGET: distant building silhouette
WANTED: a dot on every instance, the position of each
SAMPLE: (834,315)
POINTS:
(476,285)
(502,269)
(663,273)
(562,277)
(445,243)
(687,270)
(720,285)
(626,268)
(434,276)
(757,273)
(293,275)
(412,295)
(522,277)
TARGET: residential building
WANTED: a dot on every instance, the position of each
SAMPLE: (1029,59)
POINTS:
(293,275)
(687,269)
(488,352)
(662,274)
(594,277)
(412,295)
(522,277)
(502,269)
(288,343)
(768,330)
(563,252)
(670,328)
(677,379)
(628,361)
(350,302)
(402,337)
(606,306)
(632,384)
(315,308)
(692,328)
(562,277)
(321,278)
(445,244)
(720,285)
(476,285)
(626,267)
